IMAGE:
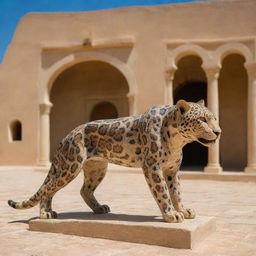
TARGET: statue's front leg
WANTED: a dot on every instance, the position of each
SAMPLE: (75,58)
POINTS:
(173,182)
(158,187)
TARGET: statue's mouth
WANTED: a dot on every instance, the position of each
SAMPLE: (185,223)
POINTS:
(204,141)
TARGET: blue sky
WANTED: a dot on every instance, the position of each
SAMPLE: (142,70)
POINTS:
(12,10)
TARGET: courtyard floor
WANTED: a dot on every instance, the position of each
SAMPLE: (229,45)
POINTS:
(232,203)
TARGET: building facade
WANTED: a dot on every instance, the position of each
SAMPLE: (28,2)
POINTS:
(65,69)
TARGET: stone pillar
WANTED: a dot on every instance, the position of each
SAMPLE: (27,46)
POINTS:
(44,158)
(212,74)
(251,122)
(169,76)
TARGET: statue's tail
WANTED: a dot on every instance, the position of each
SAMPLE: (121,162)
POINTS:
(33,200)
(26,204)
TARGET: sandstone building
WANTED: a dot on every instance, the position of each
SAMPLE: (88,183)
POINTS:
(65,69)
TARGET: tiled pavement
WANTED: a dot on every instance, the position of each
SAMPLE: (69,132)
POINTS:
(232,203)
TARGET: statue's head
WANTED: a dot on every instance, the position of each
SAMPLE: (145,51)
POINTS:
(196,122)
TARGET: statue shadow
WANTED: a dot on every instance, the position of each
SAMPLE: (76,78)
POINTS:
(23,221)
(100,217)
(108,217)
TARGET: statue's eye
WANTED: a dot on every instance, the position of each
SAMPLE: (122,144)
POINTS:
(203,119)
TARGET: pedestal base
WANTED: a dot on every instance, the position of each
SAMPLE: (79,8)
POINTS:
(250,169)
(213,169)
(129,228)
(46,165)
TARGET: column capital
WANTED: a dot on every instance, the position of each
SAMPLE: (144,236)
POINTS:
(130,97)
(45,108)
(169,73)
(212,72)
(251,69)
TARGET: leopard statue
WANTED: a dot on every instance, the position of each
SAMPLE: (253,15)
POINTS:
(152,141)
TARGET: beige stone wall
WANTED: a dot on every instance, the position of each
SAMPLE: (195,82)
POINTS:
(141,42)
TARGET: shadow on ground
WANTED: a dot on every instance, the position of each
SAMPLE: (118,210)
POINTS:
(23,221)
(108,216)
(93,216)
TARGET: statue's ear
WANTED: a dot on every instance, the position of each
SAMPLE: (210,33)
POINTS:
(183,106)
(201,102)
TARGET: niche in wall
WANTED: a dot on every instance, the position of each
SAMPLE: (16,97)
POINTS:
(15,131)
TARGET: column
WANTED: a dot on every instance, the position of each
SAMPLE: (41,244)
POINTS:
(169,76)
(251,122)
(212,74)
(44,157)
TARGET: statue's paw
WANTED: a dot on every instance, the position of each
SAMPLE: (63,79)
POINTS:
(173,217)
(101,209)
(49,215)
(188,213)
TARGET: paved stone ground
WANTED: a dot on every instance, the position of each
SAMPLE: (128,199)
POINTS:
(233,203)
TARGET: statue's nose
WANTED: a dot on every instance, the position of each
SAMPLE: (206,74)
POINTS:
(217,133)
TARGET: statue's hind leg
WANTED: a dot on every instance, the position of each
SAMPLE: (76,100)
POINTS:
(94,172)
(46,211)
(57,178)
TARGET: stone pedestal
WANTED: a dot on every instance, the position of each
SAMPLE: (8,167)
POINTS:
(136,229)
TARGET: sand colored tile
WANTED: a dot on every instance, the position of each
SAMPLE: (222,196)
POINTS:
(232,203)
(145,56)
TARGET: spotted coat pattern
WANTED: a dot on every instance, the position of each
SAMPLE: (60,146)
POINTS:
(152,141)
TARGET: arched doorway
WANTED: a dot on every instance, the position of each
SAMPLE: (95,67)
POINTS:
(190,84)
(104,110)
(77,90)
(233,91)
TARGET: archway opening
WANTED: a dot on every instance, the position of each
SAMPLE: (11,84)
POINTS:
(190,84)
(78,90)
(104,110)
(233,91)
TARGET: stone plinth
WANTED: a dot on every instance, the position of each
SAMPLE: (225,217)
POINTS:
(129,228)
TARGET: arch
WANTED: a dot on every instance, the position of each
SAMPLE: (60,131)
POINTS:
(188,49)
(76,92)
(48,76)
(103,110)
(232,48)
(15,131)
(189,69)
